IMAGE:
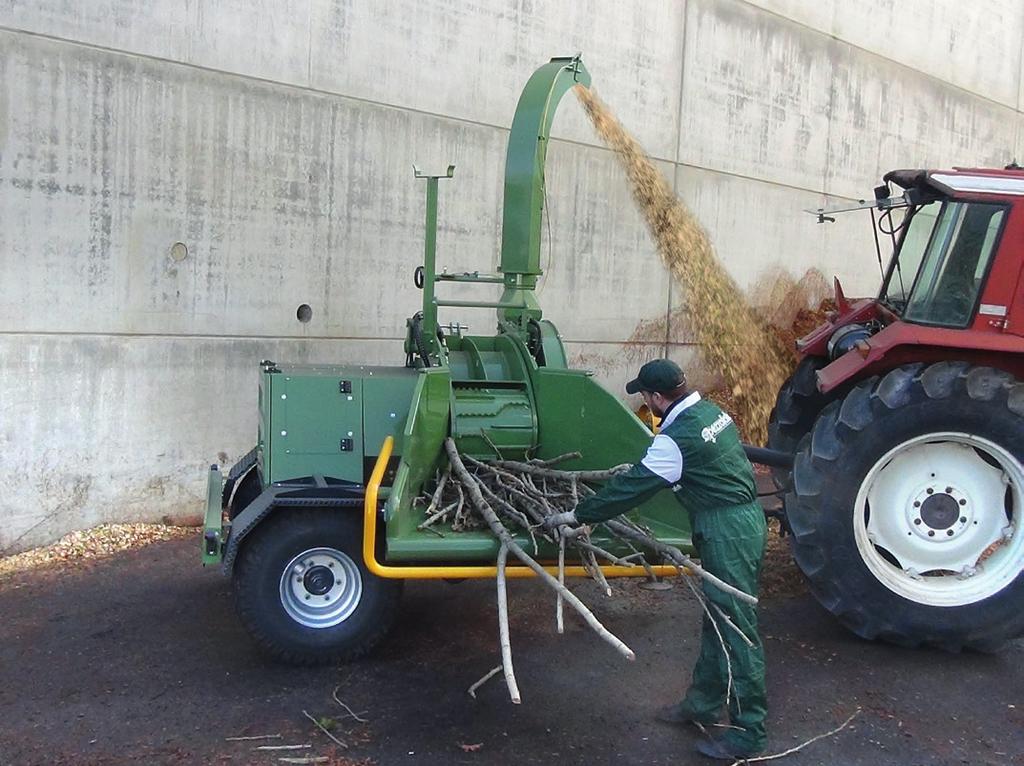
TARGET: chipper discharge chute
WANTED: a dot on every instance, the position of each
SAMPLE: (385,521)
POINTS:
(317,524)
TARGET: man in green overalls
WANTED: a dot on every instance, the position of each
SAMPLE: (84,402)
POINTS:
(698,455)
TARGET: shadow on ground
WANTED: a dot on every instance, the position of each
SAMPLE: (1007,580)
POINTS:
(140,658)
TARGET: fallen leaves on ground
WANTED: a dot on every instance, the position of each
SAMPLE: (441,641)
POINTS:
(94,543)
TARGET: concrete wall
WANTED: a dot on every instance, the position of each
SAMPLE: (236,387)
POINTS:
(275,138)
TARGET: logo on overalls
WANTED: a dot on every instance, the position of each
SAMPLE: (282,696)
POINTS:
(711,432)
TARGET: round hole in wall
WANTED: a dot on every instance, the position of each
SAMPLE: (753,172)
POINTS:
(304,313)
(179,252)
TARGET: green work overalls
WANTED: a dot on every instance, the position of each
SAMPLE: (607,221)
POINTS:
(699,456)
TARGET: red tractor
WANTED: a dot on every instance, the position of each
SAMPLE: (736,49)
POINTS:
(906,417)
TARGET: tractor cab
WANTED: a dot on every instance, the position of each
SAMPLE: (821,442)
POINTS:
(951,279)
(946,245)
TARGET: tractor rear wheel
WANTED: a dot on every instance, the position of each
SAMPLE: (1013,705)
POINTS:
(305,595)
(797,406)
(907,506)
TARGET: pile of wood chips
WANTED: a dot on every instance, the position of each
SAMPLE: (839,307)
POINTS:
(806,319)
(95,543)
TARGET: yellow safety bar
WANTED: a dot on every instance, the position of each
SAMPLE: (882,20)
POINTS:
(457,572)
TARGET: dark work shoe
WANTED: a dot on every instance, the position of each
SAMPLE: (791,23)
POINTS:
(723,750)
(680,714)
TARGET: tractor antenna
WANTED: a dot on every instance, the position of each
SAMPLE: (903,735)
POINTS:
(878,245)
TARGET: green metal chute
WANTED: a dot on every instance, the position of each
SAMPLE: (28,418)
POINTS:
(524,183)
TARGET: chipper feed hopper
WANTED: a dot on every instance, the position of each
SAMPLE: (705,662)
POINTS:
(317,525)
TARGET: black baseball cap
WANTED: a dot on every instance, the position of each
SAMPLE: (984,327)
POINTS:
(661,375)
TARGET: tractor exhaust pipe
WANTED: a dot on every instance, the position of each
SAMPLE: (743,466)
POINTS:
(770,457)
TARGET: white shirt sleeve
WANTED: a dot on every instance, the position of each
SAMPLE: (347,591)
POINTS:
(664,459)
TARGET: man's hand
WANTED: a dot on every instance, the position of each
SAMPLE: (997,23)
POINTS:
(558,520)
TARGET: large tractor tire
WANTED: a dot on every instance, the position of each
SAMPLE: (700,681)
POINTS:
(305,595)
(797,406)
(907,507)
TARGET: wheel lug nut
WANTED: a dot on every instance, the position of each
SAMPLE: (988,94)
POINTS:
(931,533)
(949,490)
(930,490)
(949,533)
(327,598)
(963,501)
(307,597)
(917,503)
(963,519)
(917,521)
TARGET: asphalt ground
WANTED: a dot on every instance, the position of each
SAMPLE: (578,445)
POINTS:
(139,658)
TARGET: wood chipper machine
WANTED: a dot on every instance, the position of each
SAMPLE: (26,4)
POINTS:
(317,525)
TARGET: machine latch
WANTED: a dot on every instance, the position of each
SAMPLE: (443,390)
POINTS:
(346,445)
(212,541)
(344,386)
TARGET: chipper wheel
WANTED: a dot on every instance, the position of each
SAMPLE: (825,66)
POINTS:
(797,406)
(907,505)
(303,592)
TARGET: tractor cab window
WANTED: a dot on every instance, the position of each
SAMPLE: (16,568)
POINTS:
(943,259)
(917,232)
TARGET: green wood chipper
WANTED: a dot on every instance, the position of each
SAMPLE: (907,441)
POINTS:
(317,525)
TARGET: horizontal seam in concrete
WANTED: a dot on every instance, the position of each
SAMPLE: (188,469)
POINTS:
(190,336)
(631,343)
(176,336)
(308,88)
(386,105)
(755,179)
(877,55)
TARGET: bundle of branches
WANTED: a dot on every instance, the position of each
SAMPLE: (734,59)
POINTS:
(508,497)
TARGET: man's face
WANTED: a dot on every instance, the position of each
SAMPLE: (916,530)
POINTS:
(655,403)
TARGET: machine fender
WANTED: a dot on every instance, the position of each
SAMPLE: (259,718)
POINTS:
(237,472)
(311,492)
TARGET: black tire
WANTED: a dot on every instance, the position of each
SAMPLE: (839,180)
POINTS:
(797,406)
(894,414)
(258,588)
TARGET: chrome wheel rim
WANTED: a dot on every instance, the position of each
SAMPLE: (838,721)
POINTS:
(320,587)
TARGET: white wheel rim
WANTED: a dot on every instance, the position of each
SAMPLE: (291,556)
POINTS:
(321,587)
(935,522)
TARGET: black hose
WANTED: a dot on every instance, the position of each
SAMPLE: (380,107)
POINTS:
(417,338)
(770,457)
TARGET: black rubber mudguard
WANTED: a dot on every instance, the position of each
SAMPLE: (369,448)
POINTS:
(306,492)
(238,470)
